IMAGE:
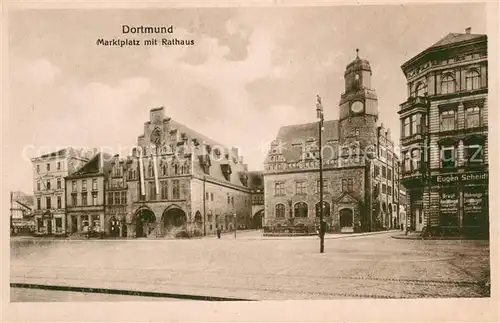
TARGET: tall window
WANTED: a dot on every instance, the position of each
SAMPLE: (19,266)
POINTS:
(48,184)
(110,198)
(447,84)
(300,210)
(58,184)
(279,188)
(163,170)
(472,80)
(415,159)
(325,186)
(406,127)
(94,184)
(344,185)
(117,198)
(407,162)
(280,211)
(38,185)
(150,171)
(152,193)
(48,167)
(59,202)
(38,168)
(389,174)
(48,201)
(164,190)
(384,172)
(38,203)
(415,123)
(472,117)
(84,185)
(448,120)
(73,186)
(176,192)
(326,209)
(84,199)
(420,89)
(448,156)
(474,150)
(73,199)
(300,187)
(124,197)
(58,165)
(94,198)
(350,185)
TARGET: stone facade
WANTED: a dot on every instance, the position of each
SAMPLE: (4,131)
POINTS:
(445,135)
(360,167)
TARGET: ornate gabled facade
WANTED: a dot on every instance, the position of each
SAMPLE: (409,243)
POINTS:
(359,168)
(444,135)
(180,182)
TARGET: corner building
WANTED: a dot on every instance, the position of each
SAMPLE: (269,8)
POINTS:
(444,136)
(360,180)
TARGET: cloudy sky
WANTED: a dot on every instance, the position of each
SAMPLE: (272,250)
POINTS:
(251,71)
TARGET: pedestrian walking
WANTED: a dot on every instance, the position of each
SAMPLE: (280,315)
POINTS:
(218,232)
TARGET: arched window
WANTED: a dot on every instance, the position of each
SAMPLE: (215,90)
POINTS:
(300,210)
(447,84)
(326,209)
(164,170)
(420,89)
(472,80)
(176,169)
(280,211)
(150,170)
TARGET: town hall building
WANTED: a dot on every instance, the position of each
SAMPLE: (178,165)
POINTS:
(360,179)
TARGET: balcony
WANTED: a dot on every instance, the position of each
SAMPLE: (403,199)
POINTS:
(418,137)
(412,103)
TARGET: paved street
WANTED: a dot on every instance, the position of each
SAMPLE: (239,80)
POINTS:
(247,267)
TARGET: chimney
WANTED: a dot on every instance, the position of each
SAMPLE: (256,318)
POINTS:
(467,30)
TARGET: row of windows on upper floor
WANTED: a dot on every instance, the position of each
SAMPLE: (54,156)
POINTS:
(301,187)
(448,61)
(448,120)
(47,167)
(74,187)
(472,153)
(163,170)
(449,84)
(48,203)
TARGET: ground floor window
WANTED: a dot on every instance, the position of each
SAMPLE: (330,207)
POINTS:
(475,208)
(59,225)
(39,225)
(448,207)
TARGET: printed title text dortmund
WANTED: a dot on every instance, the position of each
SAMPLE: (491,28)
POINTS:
(126,42)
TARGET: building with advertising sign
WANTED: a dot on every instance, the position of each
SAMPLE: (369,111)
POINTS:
(444,135)
(360,168)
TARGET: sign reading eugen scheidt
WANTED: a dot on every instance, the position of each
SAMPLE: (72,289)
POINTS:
(448,179)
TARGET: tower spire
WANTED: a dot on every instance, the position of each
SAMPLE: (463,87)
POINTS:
(357,52)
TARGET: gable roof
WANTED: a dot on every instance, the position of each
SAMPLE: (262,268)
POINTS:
(93,166)
(290,136)
(346,198)
(454,38)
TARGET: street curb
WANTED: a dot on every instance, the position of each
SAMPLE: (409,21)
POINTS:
(439,238)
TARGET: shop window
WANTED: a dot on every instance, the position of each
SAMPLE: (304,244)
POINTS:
(447,84)
(474,207)
(39,224)
(280,211)
(472,80)
(300,210)
(448,120)
(473,117)
(448,208)
(58,223)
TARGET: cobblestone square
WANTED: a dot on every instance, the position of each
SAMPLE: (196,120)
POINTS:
(256,268)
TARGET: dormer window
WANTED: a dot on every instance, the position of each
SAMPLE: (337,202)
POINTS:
(226,171)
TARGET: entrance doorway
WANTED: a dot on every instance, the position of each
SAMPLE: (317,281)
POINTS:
(49,226)
(74,224)
(114,227)
(346,220)
(257,220)
(174,220)
(143,220)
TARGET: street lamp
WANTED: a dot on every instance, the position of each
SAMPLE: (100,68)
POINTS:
(319,112)
(234,216)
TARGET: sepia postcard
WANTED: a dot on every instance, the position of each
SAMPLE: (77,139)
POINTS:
(265,161)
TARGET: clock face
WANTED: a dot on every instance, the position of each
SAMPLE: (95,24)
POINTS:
(357,107)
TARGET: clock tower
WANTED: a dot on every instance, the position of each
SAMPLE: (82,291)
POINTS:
(358,107)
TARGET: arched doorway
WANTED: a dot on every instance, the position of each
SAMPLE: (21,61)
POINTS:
(114,227)
(346,218)
(257,220)
(173,220)
(197,218)
(144,218)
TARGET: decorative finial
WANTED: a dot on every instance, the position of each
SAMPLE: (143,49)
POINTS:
(357,52)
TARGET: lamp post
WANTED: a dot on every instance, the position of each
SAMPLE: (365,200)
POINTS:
(319,112)
(234,217)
